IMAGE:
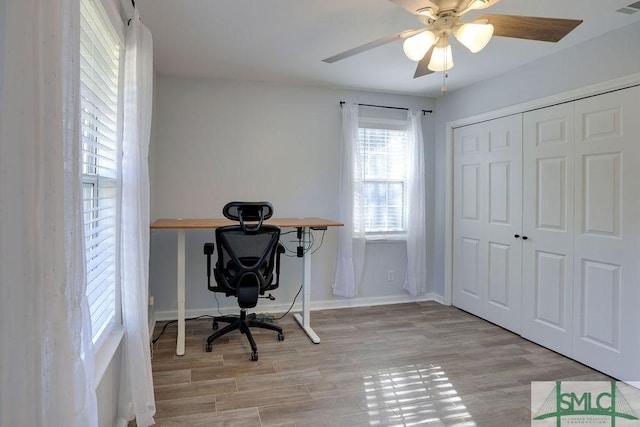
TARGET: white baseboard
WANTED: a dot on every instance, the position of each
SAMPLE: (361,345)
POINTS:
(152,324)
(368,301)
(315,305)
(439,299)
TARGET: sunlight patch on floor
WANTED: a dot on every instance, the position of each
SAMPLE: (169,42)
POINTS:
(414,396)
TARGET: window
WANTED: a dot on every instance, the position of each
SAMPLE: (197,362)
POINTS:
(100,50)
(383,148)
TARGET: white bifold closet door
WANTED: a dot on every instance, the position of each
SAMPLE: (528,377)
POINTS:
(581,212)
(548,211)
(487,215)
(606,303)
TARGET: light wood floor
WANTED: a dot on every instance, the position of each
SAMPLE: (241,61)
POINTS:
(395,365)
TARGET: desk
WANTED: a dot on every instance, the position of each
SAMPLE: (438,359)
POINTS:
(301,224)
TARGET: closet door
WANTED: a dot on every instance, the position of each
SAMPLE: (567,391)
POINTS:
(607,234)
(487,215)
(547,252)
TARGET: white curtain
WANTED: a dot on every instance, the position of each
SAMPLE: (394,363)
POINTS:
(46,355)
(136,385)
(351,237)
(416,279)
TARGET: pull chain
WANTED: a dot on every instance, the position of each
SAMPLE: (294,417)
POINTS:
(445,74)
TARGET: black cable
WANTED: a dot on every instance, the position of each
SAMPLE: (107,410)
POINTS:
(311,241)
(321,241)
(164,327)
(288,250)
(294,301)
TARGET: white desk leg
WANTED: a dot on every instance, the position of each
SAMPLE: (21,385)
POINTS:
(304,320)
(181,284)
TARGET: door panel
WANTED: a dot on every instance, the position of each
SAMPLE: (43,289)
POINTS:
(547,254)
(551,194)
(470,259)
(600,291)
(469,272)
(499,186)
(487,214)
(471,192)
(550,290)
(601,203)
(499,262)
(607,234)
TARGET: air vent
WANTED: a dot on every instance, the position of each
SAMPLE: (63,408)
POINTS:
(626,11)
(635,5)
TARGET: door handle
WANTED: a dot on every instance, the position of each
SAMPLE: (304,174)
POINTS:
(517,236)
(524,237)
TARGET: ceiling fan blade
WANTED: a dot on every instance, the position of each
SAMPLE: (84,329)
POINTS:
(412,6)
(422,69)
(530,27)
(371,45)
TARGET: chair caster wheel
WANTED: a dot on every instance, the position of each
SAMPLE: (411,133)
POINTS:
(208,347)
(215,325)
(280,337)
(254,356)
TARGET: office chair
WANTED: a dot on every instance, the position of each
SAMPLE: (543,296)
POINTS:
(248,256)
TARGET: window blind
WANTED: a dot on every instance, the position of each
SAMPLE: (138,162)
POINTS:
(384,154)
(99,85)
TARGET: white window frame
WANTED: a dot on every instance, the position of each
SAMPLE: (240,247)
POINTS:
(106,342)
(386,124)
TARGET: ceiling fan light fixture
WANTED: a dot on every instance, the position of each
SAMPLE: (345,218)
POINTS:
(441,58)
(415,47)
(474,36)
(478,4)
(426,11)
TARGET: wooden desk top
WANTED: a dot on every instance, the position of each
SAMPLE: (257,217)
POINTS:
(178,223)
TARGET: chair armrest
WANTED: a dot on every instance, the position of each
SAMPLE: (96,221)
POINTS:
(279,250)
(208,251)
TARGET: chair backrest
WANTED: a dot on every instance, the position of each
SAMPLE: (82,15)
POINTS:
(248,211)
(247,254)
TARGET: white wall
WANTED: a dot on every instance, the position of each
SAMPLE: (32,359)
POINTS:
(217,141)
(108,390)
(613,55)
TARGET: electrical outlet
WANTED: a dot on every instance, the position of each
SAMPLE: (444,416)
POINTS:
(391,275)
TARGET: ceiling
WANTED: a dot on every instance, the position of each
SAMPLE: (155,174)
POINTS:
(286,40)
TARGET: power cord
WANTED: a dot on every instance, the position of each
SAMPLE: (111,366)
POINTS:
(310,244)
(292,303)
(321,241)
(164,328)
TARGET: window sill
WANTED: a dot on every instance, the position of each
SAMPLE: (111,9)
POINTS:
(386,238)
(104,354)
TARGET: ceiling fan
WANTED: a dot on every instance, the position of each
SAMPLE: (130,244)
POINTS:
(430,47)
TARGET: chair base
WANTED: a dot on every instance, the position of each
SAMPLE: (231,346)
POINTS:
(243,322)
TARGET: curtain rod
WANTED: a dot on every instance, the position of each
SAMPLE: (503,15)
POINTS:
(424,112)
(133,3)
